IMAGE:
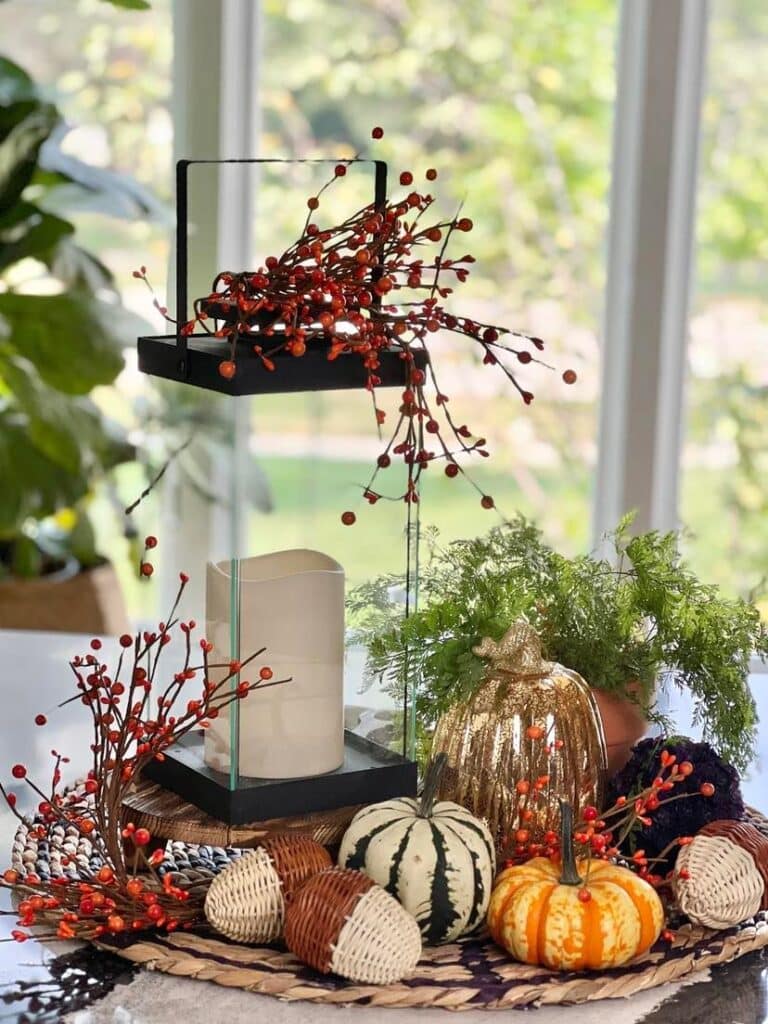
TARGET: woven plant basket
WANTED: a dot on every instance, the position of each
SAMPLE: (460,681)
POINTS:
(90,602)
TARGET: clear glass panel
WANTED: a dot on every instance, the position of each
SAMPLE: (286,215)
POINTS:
(512,103)
(311,473)
(282,479)
(724,499)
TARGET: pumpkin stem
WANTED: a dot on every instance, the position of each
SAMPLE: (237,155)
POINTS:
(569,874)
(431,784)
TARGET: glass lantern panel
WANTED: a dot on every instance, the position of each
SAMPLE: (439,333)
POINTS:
(313,453)
(274,564)
(316,453)
(204,502)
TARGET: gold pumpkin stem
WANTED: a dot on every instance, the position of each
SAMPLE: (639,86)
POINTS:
(569,874)
(431,784)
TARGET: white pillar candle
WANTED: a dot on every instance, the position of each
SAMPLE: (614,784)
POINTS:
(292,603)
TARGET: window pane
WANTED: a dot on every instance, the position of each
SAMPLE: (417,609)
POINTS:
(108,70)
(512,103)
(725,460)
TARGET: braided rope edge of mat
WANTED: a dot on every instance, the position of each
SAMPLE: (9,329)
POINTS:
(438,979)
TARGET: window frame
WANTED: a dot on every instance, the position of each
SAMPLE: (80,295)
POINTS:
(660,85)
(661,62)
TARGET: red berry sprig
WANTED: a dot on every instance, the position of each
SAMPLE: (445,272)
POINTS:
(138,711)
(358,289)
(601,835)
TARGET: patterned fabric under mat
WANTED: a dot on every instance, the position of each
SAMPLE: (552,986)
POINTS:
(473,974)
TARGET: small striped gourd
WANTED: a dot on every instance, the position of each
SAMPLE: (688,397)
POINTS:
(437,859)
(552,914)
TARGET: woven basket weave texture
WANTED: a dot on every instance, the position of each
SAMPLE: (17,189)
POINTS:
(318,911)
(342,922)
(749,838)
(379,944)
(246,902)
(721,874)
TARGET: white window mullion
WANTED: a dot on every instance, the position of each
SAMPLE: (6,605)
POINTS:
(215,112)
(655,147)
(680,247)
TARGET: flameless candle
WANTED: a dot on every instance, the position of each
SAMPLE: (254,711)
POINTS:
(292,603)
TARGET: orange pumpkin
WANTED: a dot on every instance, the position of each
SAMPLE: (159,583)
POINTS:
(554,915)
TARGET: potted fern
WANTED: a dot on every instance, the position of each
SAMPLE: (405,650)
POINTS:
(623,624)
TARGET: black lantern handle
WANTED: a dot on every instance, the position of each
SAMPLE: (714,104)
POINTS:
(182,228)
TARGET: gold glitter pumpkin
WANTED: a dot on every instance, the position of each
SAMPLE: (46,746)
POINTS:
(529,737)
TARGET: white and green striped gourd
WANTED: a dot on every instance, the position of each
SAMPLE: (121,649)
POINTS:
(437,859)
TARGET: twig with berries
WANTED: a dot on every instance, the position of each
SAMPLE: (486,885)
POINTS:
(333,288)
(137,713)
(602,834)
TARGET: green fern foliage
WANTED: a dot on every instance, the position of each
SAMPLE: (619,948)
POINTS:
(636,617)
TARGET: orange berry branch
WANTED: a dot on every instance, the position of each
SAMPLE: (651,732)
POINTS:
(138,710)
(602,835)
(358,289)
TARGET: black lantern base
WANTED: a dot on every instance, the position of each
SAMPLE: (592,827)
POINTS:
(198,364)
(369,773)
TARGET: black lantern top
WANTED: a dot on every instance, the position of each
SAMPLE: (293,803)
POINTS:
(195,358)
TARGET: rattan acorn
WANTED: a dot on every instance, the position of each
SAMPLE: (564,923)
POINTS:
(342,922)
(246,902)
(721,876)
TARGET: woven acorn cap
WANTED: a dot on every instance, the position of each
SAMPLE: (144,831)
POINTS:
(246,902)
(340,921)
(726,869)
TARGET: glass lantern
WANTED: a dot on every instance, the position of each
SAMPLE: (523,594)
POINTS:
(279,456)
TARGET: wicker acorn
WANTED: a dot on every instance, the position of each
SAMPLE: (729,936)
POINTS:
(340,921)
(246,902)
(529,737)
(721,877)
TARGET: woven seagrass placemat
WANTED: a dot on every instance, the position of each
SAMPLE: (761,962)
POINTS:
(473,974)
(470,975)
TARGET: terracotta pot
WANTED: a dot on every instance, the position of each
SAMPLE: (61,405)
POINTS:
(66,602)
(624,724)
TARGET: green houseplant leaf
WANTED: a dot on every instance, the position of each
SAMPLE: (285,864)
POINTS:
(27,231)
(133,5)
(69,338)
(76,185)
(56,445)
(77,268)
(34,486)
(19,151)
(15,83)
(67,430)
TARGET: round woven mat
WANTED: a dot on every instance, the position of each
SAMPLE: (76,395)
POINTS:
(473,974)
(470,975)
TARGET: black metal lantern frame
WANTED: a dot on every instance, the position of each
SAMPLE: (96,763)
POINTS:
(370,772)
(194,359)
